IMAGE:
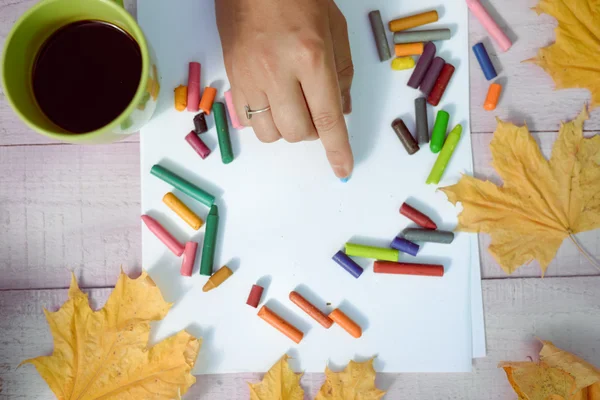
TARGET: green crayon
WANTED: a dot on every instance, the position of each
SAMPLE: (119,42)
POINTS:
(186,187)
(438,134)
(223,132)
(210,240)
(377,253)
(444,157)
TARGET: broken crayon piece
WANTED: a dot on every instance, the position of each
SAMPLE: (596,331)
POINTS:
(217,278)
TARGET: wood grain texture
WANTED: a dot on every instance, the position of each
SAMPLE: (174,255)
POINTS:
(528,94)
(68,208)
(565,310)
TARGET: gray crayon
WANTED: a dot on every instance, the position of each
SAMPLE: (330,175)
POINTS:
(421,36)
(421,118)
(432,74)
(380,36)
(422,65)
(426,235)
(407,139)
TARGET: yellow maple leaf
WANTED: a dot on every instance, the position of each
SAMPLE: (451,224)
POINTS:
(104,354)
(559,375)
(355,382)
(279,383)
(541,202)
(572,61)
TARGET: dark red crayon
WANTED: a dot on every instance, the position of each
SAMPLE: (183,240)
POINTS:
(417,216)
(254,296)
(397,268)
(440,85)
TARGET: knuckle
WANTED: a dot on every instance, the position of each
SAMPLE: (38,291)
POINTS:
(327,121)
(311,51)
(267,138)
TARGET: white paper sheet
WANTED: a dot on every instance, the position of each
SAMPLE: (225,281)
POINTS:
(283,214)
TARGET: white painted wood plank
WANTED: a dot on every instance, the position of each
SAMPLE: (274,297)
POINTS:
(528,95)
(68,208)
(564,310)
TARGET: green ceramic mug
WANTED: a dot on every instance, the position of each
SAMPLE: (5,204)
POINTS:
(29,34)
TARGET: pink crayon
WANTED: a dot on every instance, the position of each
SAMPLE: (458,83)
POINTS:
(189,258)
(164,235)
(193,100)
(489,24)
(235,122)
(197,144)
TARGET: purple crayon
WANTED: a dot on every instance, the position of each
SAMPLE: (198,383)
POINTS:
(405,246)
(432,74)
(348,264)
(422,65)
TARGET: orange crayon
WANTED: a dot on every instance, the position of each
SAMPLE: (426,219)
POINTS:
(409,49)
(280,324)
(311,310)
(208,98)
(346,323)
(491,101)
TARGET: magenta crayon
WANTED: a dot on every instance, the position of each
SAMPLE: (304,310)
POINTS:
(422,65)
(189,258)
(193,91)
(161,233)
(197,144)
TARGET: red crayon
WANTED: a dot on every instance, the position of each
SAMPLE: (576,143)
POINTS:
(388,267)
(164,235)
(254,296)
(417,216)
(440,85)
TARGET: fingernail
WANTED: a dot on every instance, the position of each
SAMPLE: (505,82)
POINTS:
(346,103)
(346,179)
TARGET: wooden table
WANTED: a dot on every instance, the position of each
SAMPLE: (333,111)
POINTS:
(76,208)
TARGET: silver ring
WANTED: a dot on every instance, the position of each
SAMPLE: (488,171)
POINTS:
(250,112)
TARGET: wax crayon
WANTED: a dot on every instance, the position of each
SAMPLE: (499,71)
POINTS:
(417,216)
(386,267)
(406,138)
(233,117)
(311,310)
(348,264)
(402,63)
(197,144)
(280,324)
(439,88)
(208,98)
(438,134)
(223,133)
(493,96)
(193,91)
(189,258)
(217,278)
(484,61)
(183,211)
(184,186)
(413,21)
(422,65)
(409,49)
(180,97)
(210,240)
(163,235)
(377,253)
(405,246)
(346,323)
(255,295)
(383,48)
(432,75)
(427,235)
(422,36)
(489,24)
(200,123)
(444,157)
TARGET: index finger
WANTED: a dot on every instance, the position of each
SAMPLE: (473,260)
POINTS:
(322,93)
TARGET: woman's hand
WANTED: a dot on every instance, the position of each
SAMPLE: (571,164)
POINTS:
(294,56)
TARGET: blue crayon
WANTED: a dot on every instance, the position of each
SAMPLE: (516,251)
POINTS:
(405,246)
(484,61)
(348,264)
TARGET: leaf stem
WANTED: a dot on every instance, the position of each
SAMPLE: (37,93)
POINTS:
(592,261)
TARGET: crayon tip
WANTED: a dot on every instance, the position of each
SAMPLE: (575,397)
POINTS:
(208,286)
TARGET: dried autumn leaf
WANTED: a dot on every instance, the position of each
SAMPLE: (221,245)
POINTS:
(541,202)
(279,383)
(572,61)
(559,376)
(104,354)
(356,381)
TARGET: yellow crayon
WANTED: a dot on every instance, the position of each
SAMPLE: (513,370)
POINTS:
(218,277)
(183,211)
(402,63)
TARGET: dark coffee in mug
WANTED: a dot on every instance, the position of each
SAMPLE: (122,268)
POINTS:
(86,74)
